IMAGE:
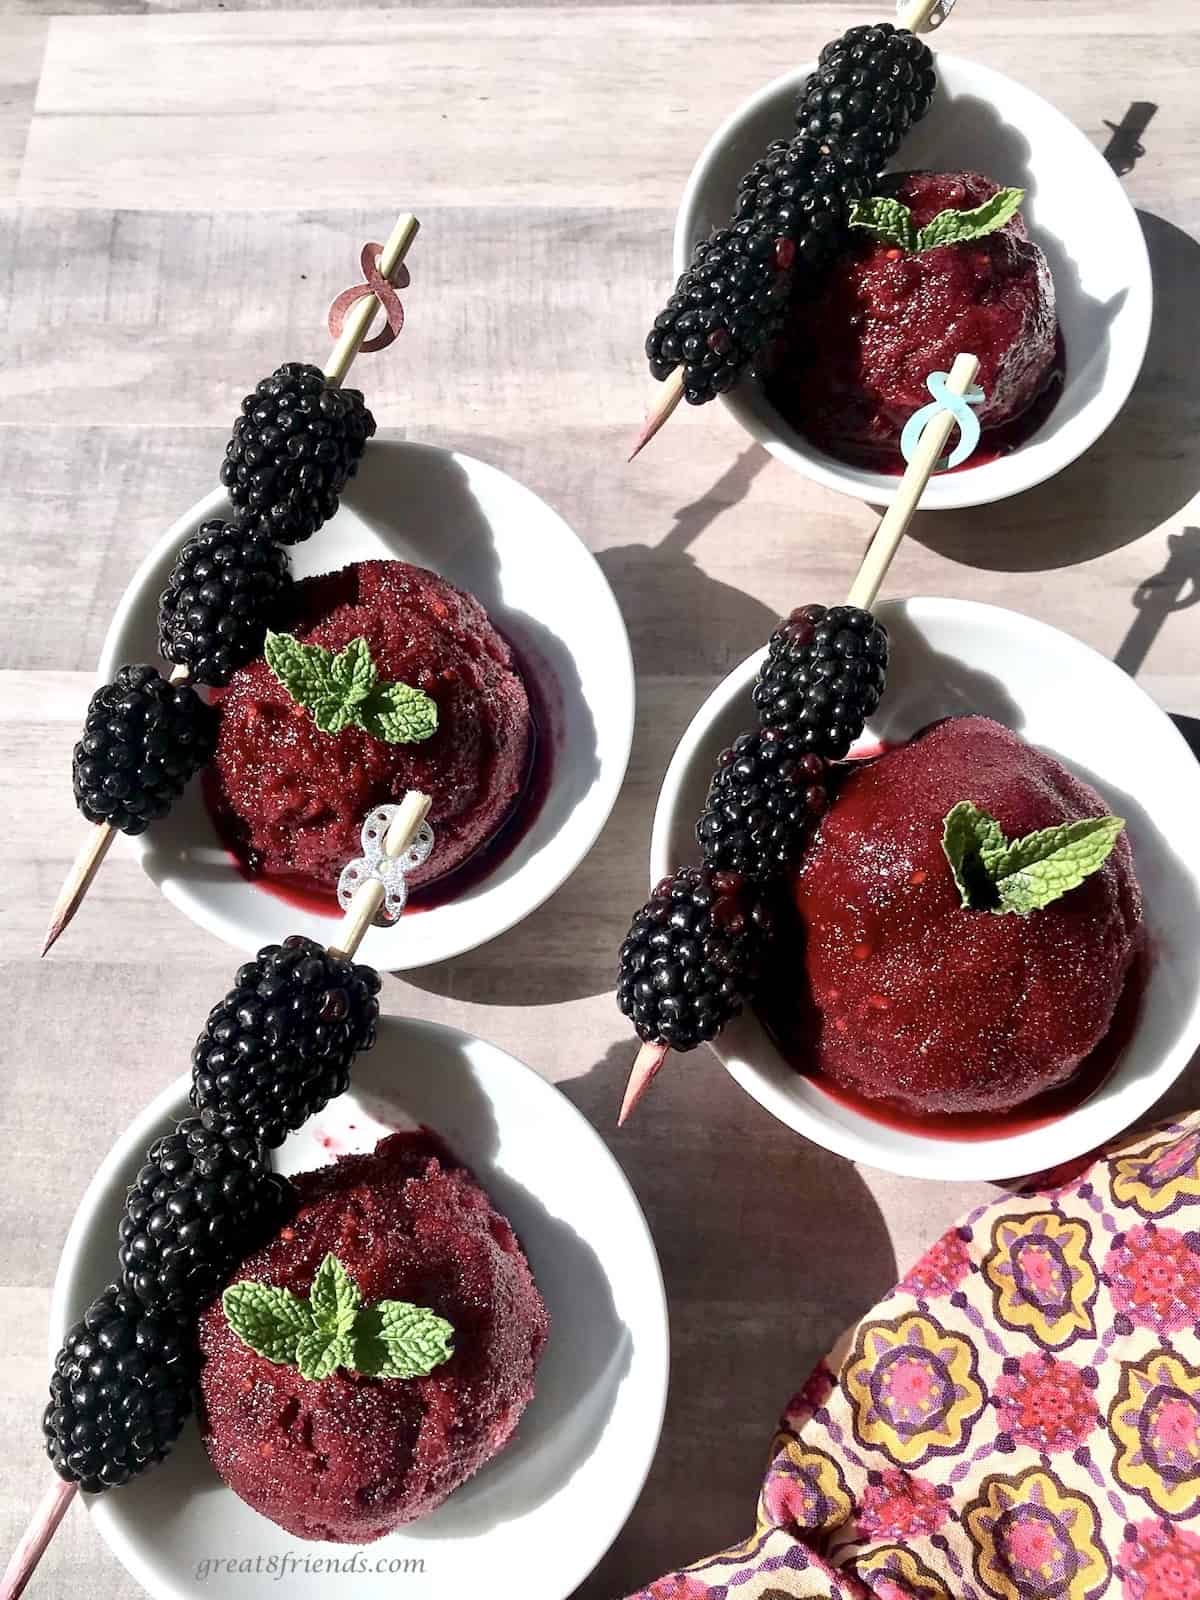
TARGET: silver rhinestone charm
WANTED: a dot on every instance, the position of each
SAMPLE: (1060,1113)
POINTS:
(391,873)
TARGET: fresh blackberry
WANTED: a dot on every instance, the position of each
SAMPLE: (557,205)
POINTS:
(823,677)
(142,740)
(280,1044)
(294,446)
(226,587)
(801,192)
(766,793)
(204,1198)
(691,956)
(726,307)
(120,1393)
(870,87)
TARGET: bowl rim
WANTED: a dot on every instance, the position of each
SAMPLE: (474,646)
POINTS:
(233,931)
(168,1105)
(1064,1137)
(948,491)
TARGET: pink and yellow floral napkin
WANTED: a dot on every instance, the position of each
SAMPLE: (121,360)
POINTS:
(1018,1420)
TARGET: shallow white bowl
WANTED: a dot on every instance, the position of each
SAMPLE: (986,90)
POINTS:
(1076,210)
(950,657)
(490,535)
(537,1518)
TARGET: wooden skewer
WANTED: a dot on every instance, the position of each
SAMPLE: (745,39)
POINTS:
(671,392)
(43,1525)
(99,841)
(368,897)
(669,397)
(875,563)
(360,914)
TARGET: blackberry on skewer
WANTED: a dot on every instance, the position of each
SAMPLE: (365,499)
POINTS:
(281,1042)
(295,446)
(293,449)
(227,587)
(120,1393)
(688,962)
(122,1384)
(204,1195)
(871,85)
(767,792)
(143,739)
(823,675)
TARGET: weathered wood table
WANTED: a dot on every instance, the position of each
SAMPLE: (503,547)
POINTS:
(180,194)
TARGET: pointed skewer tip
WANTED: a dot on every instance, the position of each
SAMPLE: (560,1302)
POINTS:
(646,1064)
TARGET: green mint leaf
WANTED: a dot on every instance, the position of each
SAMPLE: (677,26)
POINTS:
(334,1298)
(888,219)
(303,669)
(396,1340)
(1040,868)
(399,714)
(319,1353)
(268,1319)
(956,227)
(353,672)
(972,840)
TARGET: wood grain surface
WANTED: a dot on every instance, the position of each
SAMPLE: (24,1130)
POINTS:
(181,193)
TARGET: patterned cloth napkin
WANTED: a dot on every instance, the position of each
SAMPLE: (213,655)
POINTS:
(1019,1418)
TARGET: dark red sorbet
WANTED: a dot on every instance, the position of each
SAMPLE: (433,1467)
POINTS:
(904,996)
(852,367)
(290,801)
(351,1458)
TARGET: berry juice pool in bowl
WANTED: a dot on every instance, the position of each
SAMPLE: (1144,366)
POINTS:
(422,644)
(1054,297)
(918,1011)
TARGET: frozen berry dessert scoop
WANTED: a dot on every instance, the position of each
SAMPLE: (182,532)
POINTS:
(390,679)
(968,916)
(377,1352)
(934,263)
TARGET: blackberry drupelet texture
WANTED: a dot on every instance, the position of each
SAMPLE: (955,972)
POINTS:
(731,302)
(294,446)
(800,191)
(143,738)
(870,87)
(691,956)
(823,677)
(120,1392)
(726,307)
(204,1198)
(280,1044)
(226,588)
(767,792)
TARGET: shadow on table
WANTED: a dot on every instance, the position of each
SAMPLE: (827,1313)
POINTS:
(1142,470)
(1174,588)
(681,624)
(770,1248)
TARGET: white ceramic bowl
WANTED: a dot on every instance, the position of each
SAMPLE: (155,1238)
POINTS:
(537,1518)
(490,535)
(1077,211)
(955,656)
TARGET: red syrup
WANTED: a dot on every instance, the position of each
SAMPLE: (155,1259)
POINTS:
(783,1026)
(320,899)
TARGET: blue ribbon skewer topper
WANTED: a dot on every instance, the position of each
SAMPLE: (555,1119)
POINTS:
(943,400)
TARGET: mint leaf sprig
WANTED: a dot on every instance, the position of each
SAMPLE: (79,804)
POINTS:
(892,221)
(343,689)
(332,1328)
(1022,875)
